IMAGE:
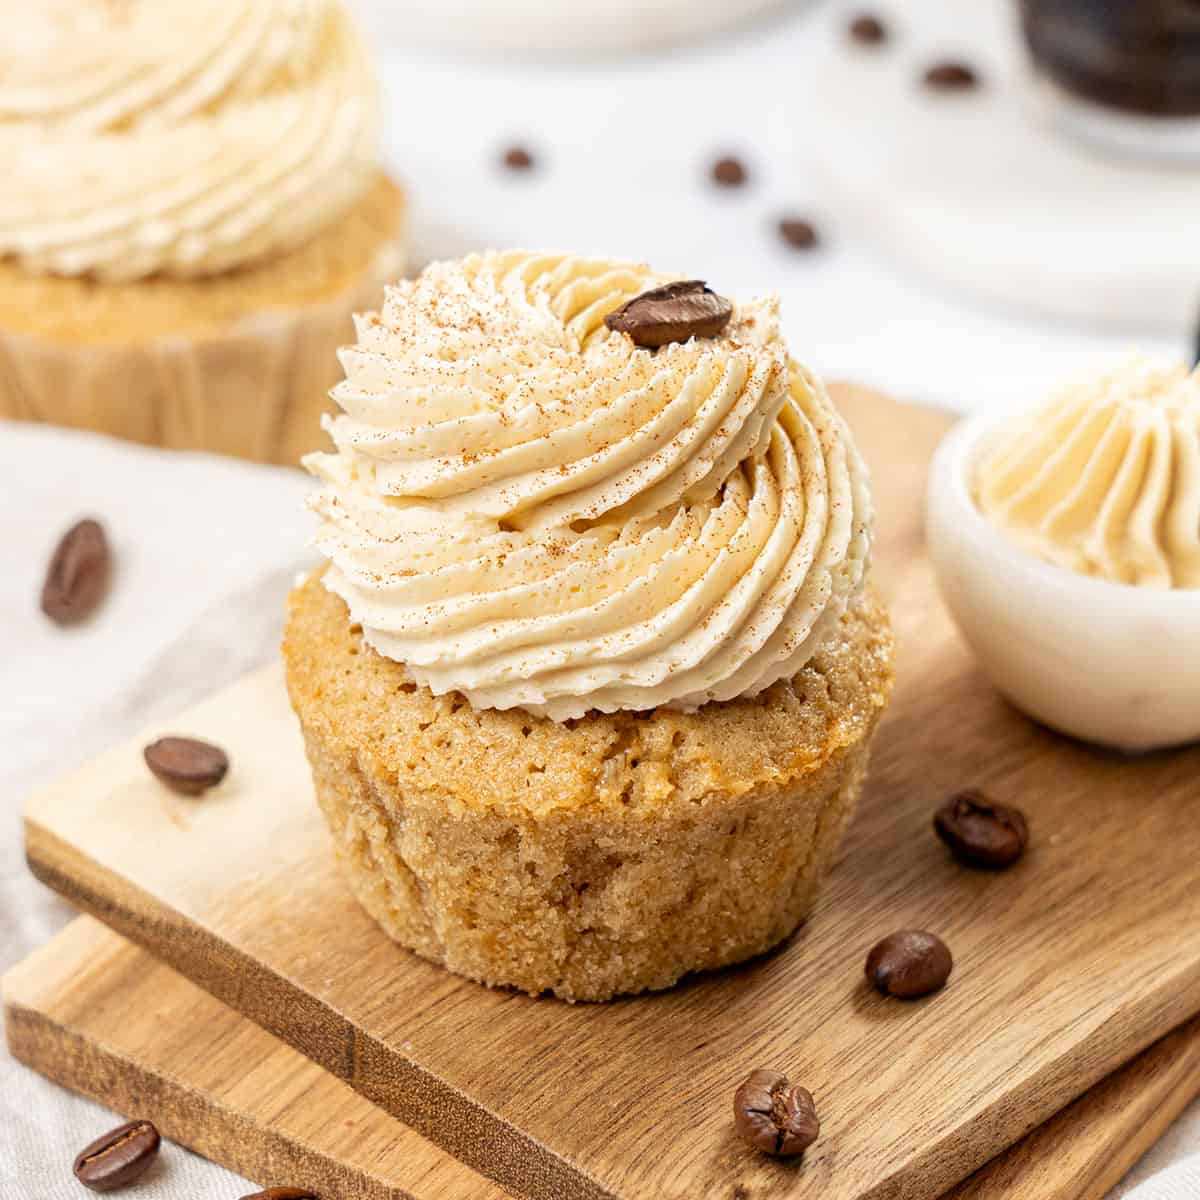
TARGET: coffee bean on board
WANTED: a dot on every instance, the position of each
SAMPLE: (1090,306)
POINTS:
(186,765)
(774,1116)
(909,964)
(980,832)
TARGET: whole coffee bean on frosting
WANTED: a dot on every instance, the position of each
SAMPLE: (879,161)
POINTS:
(673,313)
(283,1193)
(118,1158)
(774,1116)
(78,575)
(186,765)
(980,832)
(909,964)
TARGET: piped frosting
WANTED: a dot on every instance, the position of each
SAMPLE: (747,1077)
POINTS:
(141,137)
(527,508)
(1104,479)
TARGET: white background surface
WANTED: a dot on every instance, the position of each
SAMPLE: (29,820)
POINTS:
(206,548)
(983,189)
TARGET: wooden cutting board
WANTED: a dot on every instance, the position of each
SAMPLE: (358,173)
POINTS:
(100,1016)
(1067,966)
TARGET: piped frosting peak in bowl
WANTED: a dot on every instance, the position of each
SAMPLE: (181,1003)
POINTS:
(526,507)
(1104,479)
(147,138)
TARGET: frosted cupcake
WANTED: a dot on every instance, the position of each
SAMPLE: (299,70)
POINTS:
(193,209)
(589,680)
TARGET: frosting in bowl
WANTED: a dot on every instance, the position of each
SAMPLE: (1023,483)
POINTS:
(144,138)
(1105,478)
(527,508)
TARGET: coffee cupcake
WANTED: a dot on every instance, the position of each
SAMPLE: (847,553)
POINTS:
(589,679)
(193,210)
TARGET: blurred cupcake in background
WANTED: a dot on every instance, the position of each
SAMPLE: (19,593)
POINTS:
(193,209)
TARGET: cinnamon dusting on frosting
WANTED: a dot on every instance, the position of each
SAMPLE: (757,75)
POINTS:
(525,507)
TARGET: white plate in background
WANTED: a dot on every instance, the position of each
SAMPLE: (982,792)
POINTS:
(553,26)
(980,191)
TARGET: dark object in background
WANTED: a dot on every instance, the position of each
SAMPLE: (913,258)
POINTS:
(185,765)
(868,30)
(980,832)
(799,234)
(909,964)
(78,576)
(517,158)
(951,76)
(729,171)
(1139,56)
(118,1158)
(673,313)
(774,1116)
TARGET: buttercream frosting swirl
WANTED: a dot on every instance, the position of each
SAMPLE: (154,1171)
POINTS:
(526,508)
(141,137)
(1104,479)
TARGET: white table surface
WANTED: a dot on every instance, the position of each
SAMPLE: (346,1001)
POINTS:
(206,547)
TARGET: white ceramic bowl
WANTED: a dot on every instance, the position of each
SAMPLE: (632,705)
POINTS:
(1105,662)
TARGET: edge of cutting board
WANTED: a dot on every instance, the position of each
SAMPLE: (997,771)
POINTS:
(99,1016)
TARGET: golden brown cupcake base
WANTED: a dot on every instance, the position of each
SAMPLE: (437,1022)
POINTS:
(590,858)
(239,363)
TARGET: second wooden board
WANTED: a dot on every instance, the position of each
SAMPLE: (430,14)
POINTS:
(1067,966)
(102,1017)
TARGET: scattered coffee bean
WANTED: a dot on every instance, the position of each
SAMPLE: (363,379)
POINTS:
(78,576)
(868,30)
(283,1193)
(980,832)
(517,158)
(799,234)
(118,1158)
(909,964)
(185,765)
(729,172)
(951,76)
(673,313)
(774,1116)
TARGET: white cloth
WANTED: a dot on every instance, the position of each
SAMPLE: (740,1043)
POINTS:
(201,545)
(206,548)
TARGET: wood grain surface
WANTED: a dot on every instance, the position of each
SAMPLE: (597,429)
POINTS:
(101,1017)
(1067,966)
